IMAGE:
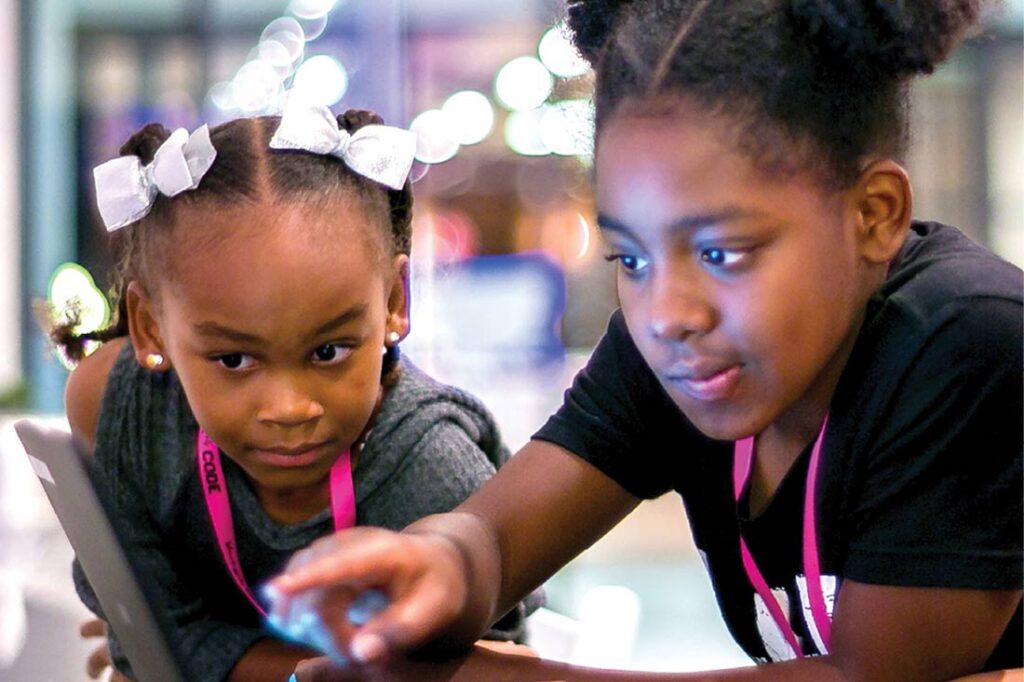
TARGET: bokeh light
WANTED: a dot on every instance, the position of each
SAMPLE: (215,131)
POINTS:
(287,32)
(436,141)
(222,95)
(558,54)
(256,87)
(313,28)
(311,9)
(522,133)
(320,80)
(277,55)
(470,116)
(72,285)
(523,84)
(586,235)
(72,291)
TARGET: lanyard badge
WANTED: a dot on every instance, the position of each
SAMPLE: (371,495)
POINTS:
(743,459)
(215,492)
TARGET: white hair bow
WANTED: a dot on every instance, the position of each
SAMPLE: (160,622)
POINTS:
(381,153)
(126,190)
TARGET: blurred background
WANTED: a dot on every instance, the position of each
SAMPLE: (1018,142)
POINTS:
(509,288)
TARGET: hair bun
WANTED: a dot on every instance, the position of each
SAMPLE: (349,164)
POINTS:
(592,23)
(145,142)
(872,37)
(354,119)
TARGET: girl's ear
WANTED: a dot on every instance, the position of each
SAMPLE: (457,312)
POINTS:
(884,203)
(144,330)
(398,300)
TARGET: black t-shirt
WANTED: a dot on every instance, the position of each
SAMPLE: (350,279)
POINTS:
(920,480)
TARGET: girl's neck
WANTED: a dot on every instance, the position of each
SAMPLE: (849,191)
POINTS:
(294,505)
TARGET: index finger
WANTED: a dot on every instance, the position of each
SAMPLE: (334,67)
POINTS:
(357,566)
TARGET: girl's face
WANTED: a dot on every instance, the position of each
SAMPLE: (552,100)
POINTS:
(743,292)
(276,332)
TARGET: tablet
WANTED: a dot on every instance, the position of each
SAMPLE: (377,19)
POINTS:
(58,461)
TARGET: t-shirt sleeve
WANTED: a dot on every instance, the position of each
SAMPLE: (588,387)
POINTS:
(940,502)
(617,417)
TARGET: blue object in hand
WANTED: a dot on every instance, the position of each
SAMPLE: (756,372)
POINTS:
(367,605)
(302,625)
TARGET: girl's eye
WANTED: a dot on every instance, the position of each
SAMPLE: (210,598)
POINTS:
(721,257)
(331,353)
(631,262)
(235,361)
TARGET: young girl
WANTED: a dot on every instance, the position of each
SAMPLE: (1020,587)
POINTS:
(833,389)
(251,397)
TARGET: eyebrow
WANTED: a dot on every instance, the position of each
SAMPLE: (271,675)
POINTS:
(353,313)
(219,330)
(685,223)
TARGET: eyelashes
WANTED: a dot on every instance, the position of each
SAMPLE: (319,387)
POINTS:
(331,353)
(713,257)
(326,354)
(235,362)
(630,262)
(723,258)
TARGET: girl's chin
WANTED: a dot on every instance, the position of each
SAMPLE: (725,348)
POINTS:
(724,422)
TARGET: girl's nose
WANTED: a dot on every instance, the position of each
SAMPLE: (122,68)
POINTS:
(678,309)
(285,405)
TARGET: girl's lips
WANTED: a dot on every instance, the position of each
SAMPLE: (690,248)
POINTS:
(717,386)
(291,459)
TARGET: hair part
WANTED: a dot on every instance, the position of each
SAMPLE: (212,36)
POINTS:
(799,84)
(246,170)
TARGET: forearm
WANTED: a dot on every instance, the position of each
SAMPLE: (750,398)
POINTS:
(478,552)
(269,659)
(542,508)
(485,665)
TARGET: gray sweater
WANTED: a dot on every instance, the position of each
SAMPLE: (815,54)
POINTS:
(430,447)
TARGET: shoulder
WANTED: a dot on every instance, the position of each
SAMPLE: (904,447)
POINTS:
(425,423)
(940,267)
(417,402)
(85,387)
(946,297)
(436,474)
(936,369)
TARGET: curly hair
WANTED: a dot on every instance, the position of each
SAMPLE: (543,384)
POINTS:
(246,169)
(827,78)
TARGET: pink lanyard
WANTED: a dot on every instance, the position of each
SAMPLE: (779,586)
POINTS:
(743,459)
(215,489)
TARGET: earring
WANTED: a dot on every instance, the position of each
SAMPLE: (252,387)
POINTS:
(154,360)
(393,338)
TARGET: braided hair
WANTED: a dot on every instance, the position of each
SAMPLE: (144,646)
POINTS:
(246,169)
(826,79)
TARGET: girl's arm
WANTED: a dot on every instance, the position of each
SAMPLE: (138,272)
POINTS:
(880,634)
(269,660)
(543,508)
(84,390)
(451,575)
